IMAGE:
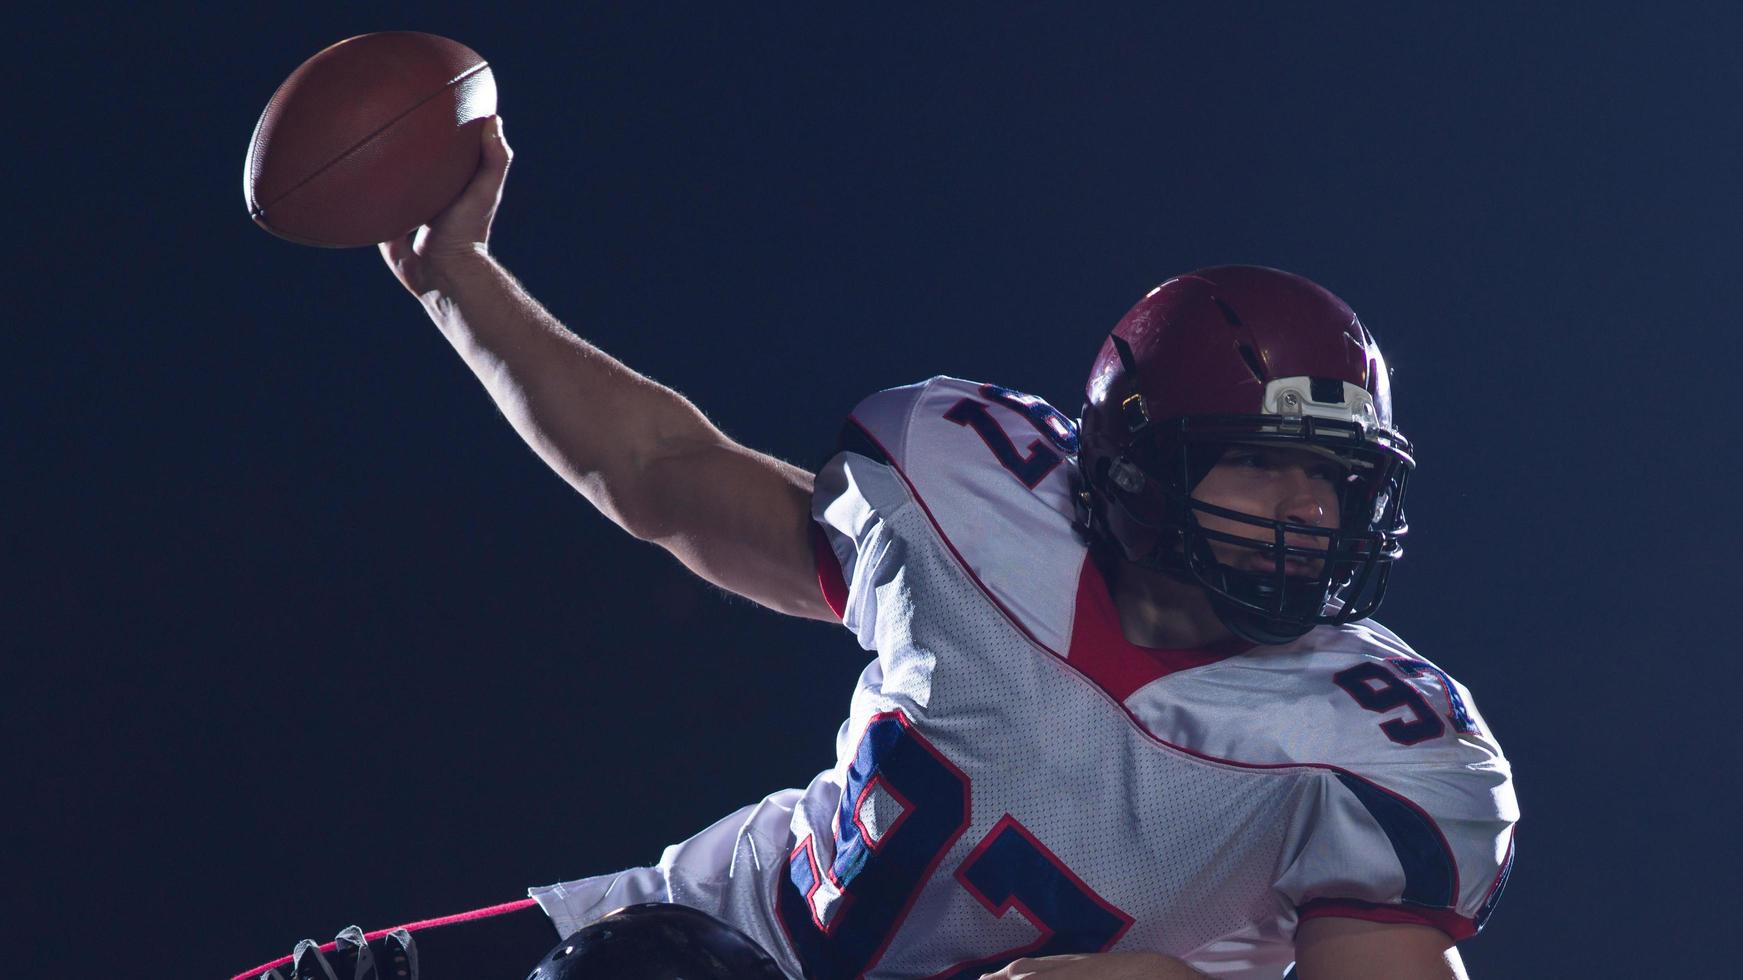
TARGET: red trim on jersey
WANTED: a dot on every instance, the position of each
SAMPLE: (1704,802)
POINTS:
(944,851)
(926,874)
(829,577)
(906,804)
(413,927)
(809,846)
(998,911)
(1044,932)
(1136,722)
(1100,650)
(1453,924)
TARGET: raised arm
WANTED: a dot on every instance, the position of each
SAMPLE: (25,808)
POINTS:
(639,451)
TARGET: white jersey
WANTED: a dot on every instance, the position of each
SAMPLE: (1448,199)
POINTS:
(1017,779)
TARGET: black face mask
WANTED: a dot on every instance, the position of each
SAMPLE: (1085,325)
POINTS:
(1268,606)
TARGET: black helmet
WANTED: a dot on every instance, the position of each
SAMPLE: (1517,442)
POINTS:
(658,941)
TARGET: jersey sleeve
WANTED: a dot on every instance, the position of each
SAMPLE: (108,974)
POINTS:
(858,493)
(1429,844)
(957,488)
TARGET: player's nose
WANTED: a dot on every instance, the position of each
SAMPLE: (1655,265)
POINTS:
(1301,501)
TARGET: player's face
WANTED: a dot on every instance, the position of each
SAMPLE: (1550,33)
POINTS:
(1295,486)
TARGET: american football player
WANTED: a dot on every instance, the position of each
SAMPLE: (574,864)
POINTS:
(1128,714)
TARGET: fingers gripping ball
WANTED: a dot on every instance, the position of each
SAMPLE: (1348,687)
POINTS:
(368,139)
(657,941)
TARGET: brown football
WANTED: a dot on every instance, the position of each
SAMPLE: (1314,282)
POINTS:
(368,139)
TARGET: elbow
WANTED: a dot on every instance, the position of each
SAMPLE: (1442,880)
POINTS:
(642,525)
(625,505)
(646,494)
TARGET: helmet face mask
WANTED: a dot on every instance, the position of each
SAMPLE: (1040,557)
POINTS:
(1175,352)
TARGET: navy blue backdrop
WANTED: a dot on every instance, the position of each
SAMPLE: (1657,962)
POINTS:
(300,634)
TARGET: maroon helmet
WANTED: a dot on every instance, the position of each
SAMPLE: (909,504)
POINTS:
(1241,355)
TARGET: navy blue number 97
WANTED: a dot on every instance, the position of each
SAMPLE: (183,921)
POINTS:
(841,918)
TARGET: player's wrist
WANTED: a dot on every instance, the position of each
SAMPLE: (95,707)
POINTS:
(445,273)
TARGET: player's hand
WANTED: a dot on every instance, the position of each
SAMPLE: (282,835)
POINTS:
(1098,966)
(462,231)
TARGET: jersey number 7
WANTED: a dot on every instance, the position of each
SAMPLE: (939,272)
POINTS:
(1029,465)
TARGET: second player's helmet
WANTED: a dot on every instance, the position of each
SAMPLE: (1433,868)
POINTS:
(657,941)
(1244,355)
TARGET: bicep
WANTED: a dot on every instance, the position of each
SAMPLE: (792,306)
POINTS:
(1332,948)
(739,519)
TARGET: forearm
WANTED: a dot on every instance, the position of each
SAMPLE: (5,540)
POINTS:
(588,416)
(636,449)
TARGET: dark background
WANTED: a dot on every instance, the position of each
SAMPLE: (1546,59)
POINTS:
(300,634)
